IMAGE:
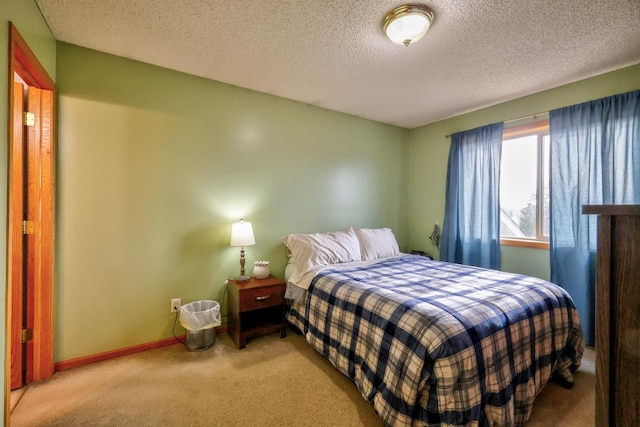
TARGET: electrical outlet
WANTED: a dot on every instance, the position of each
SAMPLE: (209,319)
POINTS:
(175,304)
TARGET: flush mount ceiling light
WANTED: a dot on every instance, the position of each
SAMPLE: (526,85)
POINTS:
(407,24)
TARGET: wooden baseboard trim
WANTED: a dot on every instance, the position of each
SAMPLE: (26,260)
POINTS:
(85,360)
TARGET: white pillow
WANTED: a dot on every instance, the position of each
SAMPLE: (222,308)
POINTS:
(290,270)
(310,251)
(377,243)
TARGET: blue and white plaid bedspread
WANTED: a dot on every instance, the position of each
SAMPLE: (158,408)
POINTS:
(434,343)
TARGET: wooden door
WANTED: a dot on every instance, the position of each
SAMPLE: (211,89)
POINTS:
(31,185)
(39,238)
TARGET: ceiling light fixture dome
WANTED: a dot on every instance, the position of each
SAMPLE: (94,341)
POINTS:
(407,24)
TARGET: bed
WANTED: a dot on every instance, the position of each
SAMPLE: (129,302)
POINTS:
(429,342)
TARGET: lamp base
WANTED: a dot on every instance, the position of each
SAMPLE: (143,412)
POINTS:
(242,278)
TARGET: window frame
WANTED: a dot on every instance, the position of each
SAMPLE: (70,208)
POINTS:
(539,128)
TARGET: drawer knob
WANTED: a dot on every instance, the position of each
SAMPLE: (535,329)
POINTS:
(262,298)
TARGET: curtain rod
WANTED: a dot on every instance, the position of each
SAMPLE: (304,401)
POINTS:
(517,119)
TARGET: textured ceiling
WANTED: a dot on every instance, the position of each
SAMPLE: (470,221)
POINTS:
(334,54)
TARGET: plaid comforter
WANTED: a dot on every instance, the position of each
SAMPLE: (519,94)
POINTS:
(434,343)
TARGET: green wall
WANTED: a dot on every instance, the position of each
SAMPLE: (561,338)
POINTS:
(429,151)
(27,19)
(155,165)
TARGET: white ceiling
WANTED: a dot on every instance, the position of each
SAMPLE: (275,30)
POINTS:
(334,54)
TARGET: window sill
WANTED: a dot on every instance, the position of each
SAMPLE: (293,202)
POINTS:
(524,243)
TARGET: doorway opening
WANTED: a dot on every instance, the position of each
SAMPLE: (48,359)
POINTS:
(30,220)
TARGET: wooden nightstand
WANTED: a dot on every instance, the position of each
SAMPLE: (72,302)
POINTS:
(256,307)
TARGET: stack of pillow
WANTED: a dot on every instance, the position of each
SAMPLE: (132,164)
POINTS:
(310,251)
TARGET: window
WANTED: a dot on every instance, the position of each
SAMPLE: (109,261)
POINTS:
(524,186)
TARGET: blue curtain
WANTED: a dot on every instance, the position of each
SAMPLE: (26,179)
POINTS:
(471,229)
(595,159)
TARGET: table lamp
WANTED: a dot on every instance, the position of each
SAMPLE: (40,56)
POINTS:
(242,235)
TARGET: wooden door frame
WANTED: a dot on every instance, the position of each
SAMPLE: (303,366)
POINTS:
(23,62)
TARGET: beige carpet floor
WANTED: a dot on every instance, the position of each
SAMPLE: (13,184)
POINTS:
(272,382)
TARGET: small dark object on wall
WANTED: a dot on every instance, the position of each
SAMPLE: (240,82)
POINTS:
(421,253)
(435,236)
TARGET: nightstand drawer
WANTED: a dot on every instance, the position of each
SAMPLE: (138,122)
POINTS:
(254,299)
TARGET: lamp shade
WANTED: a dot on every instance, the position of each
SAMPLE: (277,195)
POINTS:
(242,234)
(407,24)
